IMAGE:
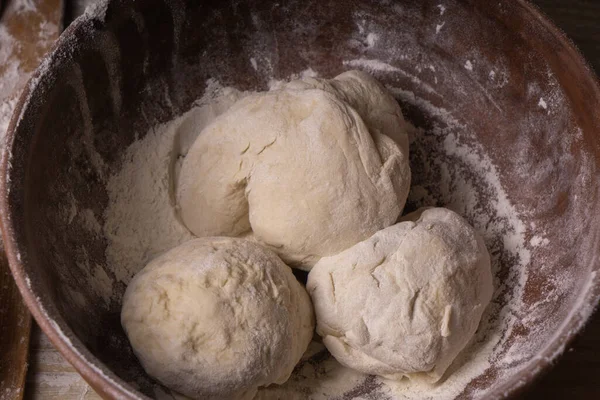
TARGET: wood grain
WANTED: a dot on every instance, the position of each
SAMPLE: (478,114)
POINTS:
(50,377)
(29,29)
(15,324)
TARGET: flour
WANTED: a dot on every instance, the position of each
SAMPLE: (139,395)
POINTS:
(275,84)
(380,66)
(141,220)
(371,65)
(14,69)
(438,27)
(6,109)
(13,72)
(79,7)
(450,171)
(90,222)
(372,38)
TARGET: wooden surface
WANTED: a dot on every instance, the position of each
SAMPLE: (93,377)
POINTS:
(575,377)
(50,377)
(29,29)
(15,323)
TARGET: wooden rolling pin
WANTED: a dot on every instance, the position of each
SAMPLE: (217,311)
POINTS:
(28,28)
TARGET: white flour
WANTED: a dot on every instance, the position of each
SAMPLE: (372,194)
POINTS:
(141,223)
(13,72)
(141,220)
(6,109)
(13,76)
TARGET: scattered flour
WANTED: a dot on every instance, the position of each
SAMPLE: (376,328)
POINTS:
(538,240)
(141,223)
(371,65)
(14,73)
(90,222)
(372,39)
(6,109)
(439,27)
(80,6)
(141,219)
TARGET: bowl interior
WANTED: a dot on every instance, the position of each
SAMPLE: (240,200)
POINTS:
(506,125)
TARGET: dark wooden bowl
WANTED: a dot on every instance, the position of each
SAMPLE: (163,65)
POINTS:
(501,98)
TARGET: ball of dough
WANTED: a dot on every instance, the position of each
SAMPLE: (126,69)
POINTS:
(299,168)
(217,318)
(406,301)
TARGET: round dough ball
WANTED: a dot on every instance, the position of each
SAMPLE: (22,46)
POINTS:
(299,169)
(406,301)
(217,318)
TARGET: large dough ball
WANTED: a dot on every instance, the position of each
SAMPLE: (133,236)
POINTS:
(406,301)
(216,318)
(299,168)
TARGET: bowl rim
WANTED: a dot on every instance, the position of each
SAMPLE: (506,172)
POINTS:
(97,374)
(93,371)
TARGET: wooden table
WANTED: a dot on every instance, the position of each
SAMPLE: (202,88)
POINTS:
(575,377)
(50,376)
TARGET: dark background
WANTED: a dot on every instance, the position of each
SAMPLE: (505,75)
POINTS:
(576,375)
(580,20)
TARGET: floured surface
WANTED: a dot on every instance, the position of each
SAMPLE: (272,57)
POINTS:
(23,21)
(50,376)
(495,139)
(141,219)
(27,30)
(449,170)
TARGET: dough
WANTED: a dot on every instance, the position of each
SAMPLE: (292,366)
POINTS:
(216,318)
(407,300)
(375,105)
(299,168)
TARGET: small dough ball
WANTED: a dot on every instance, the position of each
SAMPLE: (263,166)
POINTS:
(217,318)
(300,169)
(406,301)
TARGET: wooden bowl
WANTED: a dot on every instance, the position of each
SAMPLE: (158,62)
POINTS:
(507,133)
